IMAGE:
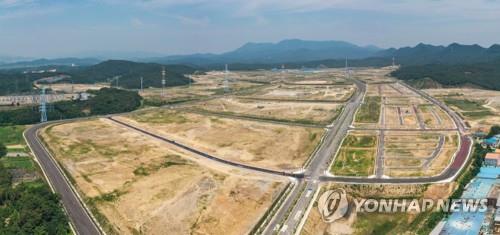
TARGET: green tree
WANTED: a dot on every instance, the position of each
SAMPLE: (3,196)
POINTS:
(494,130)
(3,150)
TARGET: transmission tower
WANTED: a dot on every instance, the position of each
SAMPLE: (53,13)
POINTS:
(43,106)
(393,62)
(141,84)
(346,69)
(226,82)
(163,81)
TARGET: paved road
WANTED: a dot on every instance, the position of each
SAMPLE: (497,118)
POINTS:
(419,117)
(402,129)
(319,163)
(78,215)
(379,162)
(250,118)
(206,155)
(84,224)
(332,142)
(450,172)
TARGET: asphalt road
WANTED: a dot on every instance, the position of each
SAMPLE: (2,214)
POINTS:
(290,214)
(206,155)
(295,205)
(80,219)
(295,208)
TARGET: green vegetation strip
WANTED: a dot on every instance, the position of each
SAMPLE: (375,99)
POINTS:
(369,111)
(11,135)
(305,122)
(356,156)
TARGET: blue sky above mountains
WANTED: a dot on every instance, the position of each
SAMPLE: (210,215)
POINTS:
(53,28)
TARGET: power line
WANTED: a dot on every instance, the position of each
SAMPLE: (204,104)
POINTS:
(43,106)
(163,81)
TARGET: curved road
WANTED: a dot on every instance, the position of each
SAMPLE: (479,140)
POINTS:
(80,218)
(84,224)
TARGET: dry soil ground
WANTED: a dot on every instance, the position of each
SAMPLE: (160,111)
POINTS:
(74,88)
(408,154)
(480,108)
(141,185)
(375,223)
(337,93)
(321,113)
(274,146)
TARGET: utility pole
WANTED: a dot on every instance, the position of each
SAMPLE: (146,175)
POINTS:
(226,82)
(346,69)
(141,84)
(43,106)
(163,81)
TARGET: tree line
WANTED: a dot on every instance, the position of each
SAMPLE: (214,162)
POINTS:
(102,102)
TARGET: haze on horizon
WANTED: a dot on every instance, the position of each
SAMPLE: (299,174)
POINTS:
(56,28)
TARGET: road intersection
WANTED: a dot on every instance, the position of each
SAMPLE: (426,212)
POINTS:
(307,183)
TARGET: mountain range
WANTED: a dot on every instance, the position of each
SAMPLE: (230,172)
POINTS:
(286,51)
(310,53)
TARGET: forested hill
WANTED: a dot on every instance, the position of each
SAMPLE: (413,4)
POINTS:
(129,74)
(452,54)
(486,74)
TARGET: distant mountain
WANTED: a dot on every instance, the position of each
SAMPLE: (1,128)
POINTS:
(46,62)
(453,54)
(286,51)
(5,59)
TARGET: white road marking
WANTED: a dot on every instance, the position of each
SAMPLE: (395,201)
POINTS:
(297,216)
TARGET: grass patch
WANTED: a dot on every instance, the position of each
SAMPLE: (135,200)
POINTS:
(360,141)
(108,197)
(380,223)
(10,135)
(478,114)
(354,162)
(18,163)
(170,160)
(160,116)
(466,105)
(369,112)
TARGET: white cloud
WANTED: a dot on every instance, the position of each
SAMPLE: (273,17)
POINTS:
(192,21)
(15,3)
(135,22)
(28,12)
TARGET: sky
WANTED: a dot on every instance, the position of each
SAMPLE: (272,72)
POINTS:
(56,28)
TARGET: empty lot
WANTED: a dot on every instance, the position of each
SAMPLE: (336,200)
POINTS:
(321,113)
(140,185)
(278,147)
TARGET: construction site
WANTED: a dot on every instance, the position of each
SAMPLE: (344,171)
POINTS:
(251,149)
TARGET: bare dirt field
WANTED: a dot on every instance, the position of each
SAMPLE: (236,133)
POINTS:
(400,117)
(480,108)
(75,88)
(375,223)
(374,75)
(203,87)
(321,113)
(138,185)
(435,117)
(337,93)
(418,154)
(280,147)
